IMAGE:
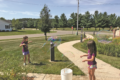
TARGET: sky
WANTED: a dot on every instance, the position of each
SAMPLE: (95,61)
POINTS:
(10,9)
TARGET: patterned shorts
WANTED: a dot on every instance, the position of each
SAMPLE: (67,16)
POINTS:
(25,53)
(92,66)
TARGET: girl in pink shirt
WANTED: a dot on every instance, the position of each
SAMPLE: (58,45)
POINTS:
(91,59)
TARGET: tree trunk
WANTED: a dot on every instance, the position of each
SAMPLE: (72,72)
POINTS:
(87,28)
(99,28)
(56,28)
(95,28)
(45,36)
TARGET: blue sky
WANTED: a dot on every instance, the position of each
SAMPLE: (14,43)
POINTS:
(10,9)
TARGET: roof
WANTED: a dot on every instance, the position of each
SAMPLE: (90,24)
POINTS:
(8,21)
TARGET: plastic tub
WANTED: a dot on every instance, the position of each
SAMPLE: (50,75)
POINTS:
(66,74)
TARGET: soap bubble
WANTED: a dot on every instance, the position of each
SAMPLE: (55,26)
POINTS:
(104,38)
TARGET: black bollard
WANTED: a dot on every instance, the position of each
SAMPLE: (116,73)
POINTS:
(84,34)
(81,37)
(94,33)
(52,51)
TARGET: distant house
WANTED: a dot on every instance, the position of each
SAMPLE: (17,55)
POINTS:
(5,25)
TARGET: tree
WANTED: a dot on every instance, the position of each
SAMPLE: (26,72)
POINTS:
(46,23)
(96,14)
(20,25)
(74,19)
(105,20)
(100,20)
(13,22)
(87,20)
(118,21)
(30,23)
(39,23)
(24,24)
(2,18)
(112,19)
(17,24)
(56,21)
(35,24)
(63,21)
(80,20)
(53,22)
(69,23)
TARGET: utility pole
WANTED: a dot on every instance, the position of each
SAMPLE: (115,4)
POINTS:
(77,16)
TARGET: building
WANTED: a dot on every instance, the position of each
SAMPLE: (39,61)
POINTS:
(5,25)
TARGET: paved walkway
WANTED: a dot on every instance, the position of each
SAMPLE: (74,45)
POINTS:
(104,72)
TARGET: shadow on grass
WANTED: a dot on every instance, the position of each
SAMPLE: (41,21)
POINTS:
(61,61)
(39,64)
(17,31)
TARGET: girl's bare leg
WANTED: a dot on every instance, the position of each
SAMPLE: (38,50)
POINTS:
(28,57)
(92,74)
(24,58)
(89,72)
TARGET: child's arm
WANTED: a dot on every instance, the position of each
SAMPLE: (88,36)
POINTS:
(84,55)
(29,42)
(89,59)
(21,45)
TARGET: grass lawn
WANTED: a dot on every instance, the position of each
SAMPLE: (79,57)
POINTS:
(22,32)
(114,61)
(11,56)
(85,29)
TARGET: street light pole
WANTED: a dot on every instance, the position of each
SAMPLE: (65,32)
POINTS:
(77,17)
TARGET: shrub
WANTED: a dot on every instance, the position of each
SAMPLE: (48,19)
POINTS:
(110,49)
(116,40)
(3,30)
(7,30)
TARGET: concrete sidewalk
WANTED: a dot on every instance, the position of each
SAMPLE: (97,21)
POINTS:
(54,77)
(104,71)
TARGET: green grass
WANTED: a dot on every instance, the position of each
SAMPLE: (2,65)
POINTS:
(22,32)
(114,61)
(85,29)
(11,57)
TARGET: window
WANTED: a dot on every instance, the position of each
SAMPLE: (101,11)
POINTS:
(7,27)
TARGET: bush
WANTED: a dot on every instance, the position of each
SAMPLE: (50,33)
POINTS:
(116,40)
(7,30)
(110,49)
(3,30)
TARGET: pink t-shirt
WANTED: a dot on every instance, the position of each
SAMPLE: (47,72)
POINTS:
(89,57)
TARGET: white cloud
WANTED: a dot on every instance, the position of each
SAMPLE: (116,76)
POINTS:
(2,5)
(20,12)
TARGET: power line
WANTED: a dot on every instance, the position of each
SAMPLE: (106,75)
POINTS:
(100,3)
(39,4)
(88,1)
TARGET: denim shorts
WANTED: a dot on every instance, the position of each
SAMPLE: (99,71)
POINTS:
(25,53)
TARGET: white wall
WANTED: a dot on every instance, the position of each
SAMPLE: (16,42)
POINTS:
(2,25)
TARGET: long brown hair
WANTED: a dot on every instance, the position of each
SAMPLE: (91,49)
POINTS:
(24,38)
(92,47)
